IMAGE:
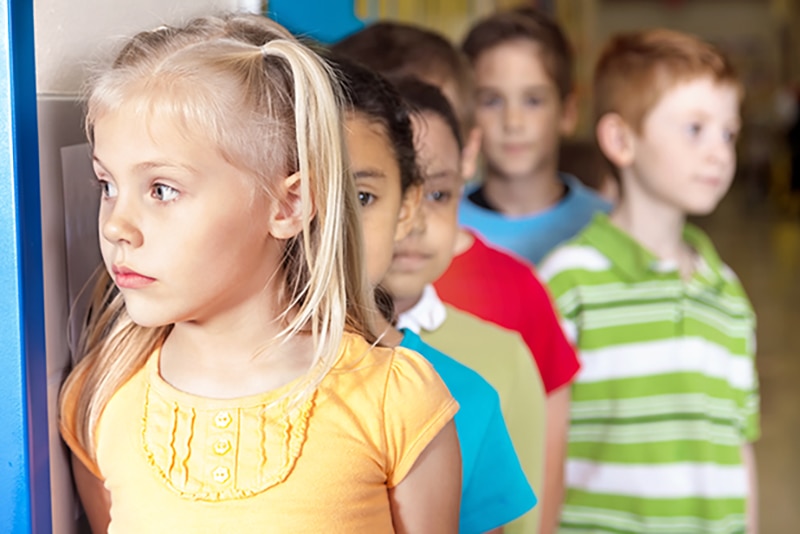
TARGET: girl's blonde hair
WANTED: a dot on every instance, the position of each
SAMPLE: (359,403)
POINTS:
(272,108)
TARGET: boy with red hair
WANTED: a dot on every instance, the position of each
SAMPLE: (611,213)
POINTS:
(665,407)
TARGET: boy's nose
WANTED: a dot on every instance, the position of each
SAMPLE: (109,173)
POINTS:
(118,225)
(420,224)
(722,152)
(512,118)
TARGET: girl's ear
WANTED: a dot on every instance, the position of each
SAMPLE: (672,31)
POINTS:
(616,140)
(408,212)
(286,211)
(470,153)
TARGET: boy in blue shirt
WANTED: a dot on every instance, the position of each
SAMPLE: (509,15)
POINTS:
(524,103)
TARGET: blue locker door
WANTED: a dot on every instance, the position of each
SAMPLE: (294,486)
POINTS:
(24,462)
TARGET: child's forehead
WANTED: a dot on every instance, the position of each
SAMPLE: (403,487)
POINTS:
(701,92)
(519,57)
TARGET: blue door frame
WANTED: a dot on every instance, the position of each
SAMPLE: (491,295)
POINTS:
(24,455)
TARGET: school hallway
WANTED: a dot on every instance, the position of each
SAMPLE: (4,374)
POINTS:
(763,246)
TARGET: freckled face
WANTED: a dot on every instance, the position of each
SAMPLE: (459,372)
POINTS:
(685,156)
(184,233)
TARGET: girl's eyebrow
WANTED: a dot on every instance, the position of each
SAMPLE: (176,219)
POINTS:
(369,173)
(148,165)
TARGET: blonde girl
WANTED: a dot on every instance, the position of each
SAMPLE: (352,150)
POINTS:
(229,379)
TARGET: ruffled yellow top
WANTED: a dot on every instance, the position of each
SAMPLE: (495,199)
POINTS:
(175,462)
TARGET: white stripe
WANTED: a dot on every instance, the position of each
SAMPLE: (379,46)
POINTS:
(679,355)
(670,481)
(660,432)
(573,257)
(570,330)
(654,405)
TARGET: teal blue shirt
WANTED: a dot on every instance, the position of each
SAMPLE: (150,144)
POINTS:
(494,488)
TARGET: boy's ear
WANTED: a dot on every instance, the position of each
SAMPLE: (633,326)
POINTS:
(408,212)
(286,211)
(569,114)
(616,139)
(470,153)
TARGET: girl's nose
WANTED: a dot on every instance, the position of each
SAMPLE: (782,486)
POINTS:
(118,226)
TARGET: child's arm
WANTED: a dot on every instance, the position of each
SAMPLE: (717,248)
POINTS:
(552,496)
(427,500)
(751,514)
(94,496)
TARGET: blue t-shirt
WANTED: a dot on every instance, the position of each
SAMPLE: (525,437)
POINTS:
(494,489)
(533,236)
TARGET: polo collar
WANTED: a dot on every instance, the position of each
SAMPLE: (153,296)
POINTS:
(637,263)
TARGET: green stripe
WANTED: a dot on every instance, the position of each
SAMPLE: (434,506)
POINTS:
(660,453)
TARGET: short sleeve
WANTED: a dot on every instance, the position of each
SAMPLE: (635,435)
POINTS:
(498,491)
(66,425)
(554,353)
(416,407)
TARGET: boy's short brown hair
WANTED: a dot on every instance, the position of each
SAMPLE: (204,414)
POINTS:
(399,50)
(636,69)
(526,24)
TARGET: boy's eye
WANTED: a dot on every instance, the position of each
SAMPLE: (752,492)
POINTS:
(438,196)
(109,190)
(490,101)
(694,129)
(730,136)
(164,193)
(533,101)
(365,199)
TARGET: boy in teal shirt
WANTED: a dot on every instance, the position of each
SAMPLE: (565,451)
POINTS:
(665,407)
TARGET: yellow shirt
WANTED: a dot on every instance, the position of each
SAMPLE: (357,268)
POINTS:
(174,462)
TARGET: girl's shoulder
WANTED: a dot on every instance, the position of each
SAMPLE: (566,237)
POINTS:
(382,367)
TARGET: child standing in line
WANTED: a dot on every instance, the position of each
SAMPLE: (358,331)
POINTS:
(381,147)
(665,407)
(481,280)
(499,355)
(229,379)
(525,102)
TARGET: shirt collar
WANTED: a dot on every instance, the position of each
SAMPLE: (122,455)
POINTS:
(636,263)
(427,314)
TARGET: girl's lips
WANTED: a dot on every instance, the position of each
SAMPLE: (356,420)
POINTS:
(127,279)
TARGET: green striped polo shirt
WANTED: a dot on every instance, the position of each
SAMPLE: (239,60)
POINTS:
(667,393)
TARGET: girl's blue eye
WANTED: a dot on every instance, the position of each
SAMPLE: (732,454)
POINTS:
(164,193)
(109,190)
(694,129)
(365,199)
(533,101)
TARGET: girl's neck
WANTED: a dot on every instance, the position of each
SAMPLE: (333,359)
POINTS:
(234,355)
(389,335)
(524,195)
(657,226)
